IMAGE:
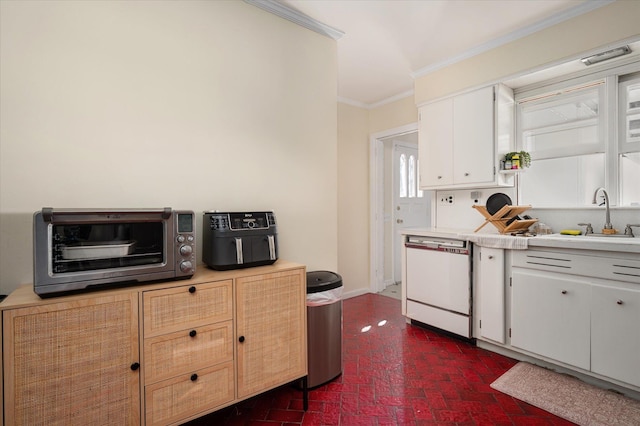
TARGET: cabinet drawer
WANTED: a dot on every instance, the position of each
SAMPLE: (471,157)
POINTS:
(609,268)
(181,397)
(187,350)
(185,307)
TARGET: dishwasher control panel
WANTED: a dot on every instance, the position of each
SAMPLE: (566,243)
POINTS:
(439,244)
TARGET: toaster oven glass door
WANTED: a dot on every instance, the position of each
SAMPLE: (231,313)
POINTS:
(90,247)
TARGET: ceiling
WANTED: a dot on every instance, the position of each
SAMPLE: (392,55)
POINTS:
(387,43)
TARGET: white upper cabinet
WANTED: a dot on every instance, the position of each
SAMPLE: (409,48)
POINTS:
(463,138)
(435,144)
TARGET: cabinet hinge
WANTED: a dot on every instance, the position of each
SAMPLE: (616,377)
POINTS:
(509,331)
(480,324)
(510,284)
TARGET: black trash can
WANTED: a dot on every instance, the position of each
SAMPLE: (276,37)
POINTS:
(324,327)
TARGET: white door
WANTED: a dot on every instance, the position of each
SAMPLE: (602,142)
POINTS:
(411,206)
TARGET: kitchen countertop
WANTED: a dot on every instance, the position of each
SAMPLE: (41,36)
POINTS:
(612,244)
(618,244)
(437,232)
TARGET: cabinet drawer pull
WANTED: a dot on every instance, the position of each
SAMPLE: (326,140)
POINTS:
(192,289)
(490,257)
(192,333)
(135,366)
(564,291)
(194,377)
(619,302)
(439,177)
(241,339)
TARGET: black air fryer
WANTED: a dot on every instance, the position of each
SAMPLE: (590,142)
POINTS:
(239,239)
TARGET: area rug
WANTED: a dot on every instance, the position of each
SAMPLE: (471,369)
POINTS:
(568,397)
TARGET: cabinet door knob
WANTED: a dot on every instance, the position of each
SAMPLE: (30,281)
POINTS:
(194,377)
(466,174)
(619,302)
(135,366)
(192,333)
(564,291)
(192,289)
(241,339)
(439,177)
(490,257)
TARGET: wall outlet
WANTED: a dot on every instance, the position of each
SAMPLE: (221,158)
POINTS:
(446,199)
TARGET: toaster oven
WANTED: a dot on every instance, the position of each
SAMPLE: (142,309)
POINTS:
(79,250)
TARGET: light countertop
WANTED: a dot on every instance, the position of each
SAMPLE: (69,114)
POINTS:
(611,244)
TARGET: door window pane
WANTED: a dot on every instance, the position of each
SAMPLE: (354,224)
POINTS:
(412,176)
(402,179)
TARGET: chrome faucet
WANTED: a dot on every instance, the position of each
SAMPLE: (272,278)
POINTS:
(607,223)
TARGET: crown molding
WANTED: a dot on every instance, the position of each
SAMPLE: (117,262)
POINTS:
(585,7)
(296,17)
(378,104)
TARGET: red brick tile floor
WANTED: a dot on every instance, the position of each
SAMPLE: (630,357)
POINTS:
(394,374)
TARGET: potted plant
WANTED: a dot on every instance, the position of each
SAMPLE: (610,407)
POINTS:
(517,160)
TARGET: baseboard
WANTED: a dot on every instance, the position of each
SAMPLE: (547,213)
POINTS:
(355,293)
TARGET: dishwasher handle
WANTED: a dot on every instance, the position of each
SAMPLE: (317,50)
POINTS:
(446,249)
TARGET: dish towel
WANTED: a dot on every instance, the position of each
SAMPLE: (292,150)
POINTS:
(497,241)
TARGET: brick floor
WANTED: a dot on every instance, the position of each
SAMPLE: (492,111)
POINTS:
(394,374)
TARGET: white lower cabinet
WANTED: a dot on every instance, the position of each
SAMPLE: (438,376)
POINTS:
(615,333)
(551,316)
(580,310)
(490,292)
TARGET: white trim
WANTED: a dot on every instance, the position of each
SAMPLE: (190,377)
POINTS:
(353,103)
(583,8)
(374,105)
(297,17)
(376,203)
(391,99)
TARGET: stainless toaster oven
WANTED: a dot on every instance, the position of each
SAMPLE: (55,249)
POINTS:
(78,250)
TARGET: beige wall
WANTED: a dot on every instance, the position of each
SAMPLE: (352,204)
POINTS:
(353,198)
(392,115)
(355,127)
(591,31)
(193,105)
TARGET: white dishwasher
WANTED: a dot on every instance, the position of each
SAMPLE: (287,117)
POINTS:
(439,283)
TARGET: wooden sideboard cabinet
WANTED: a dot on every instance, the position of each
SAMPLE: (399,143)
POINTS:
(162,353)
(271,326)
(72,362)
(188,350)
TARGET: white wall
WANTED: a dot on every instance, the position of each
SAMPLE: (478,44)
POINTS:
(192,105)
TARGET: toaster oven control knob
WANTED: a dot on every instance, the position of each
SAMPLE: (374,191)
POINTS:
(187,266)
(186,250)
(180,238)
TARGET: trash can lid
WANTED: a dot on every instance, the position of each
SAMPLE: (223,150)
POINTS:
(318,281)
